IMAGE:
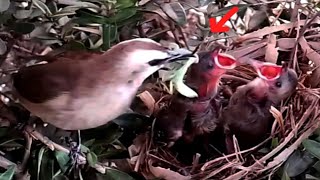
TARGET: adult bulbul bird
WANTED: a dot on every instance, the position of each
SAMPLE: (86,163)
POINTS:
(247,115)
(90,90)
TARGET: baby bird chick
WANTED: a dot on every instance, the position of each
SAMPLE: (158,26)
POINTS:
(247,115)
(189,117)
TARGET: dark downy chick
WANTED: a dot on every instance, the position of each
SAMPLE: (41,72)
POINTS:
(247,115)
(189,117)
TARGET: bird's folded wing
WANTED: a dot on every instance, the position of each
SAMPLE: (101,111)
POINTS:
(40,83)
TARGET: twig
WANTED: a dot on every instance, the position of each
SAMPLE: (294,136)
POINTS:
(226,166)
(54,146)
(5,163)
(195,162)
(27,151)
(204,167)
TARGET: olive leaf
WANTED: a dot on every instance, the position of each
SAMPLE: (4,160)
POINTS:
(4,5)
(92,159)
(109,34)
(121,4)
(113,174)
(298,162)
(176,12)
(312,146)
(63,159)
(8,174)
(3,47)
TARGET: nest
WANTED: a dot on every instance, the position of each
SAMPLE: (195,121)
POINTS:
(299,114)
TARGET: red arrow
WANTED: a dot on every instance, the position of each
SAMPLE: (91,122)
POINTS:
(219,27)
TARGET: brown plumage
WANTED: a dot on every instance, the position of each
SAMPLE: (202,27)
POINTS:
(189,117)
(74,94)
(247,115)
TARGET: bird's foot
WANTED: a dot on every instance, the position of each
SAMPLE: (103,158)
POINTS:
(20,126)
(75,152)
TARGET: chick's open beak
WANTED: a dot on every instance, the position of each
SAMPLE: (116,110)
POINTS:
(173,55)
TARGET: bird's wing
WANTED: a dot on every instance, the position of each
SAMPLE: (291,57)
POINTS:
(171,120)
(40,83)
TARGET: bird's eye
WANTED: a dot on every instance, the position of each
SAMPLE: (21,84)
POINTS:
(278,84)
(210,65)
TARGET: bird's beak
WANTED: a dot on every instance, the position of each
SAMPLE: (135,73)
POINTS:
(173,55)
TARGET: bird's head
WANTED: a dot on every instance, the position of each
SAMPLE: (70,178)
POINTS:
(142,56)
(274,81)
(205,75)
(283,86)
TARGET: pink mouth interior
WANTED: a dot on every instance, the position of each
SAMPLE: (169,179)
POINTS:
(225,61)
(270,72)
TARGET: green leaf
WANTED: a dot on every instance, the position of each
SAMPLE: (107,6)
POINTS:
(10,142)
(8,174)
(40,155)
(22,14)
(316,166)
(46,168)
(84,148)
(298,162)
(312,146)
(3,47)
(75,45)
(132,120)
(113,153)
(80,175)
(175,11)
(285,176)
(113,174)
(5,16)
(121,4)
(60,177)
(274,142)
(89,142)
(3,131)
(23,27)
(121,15)
(317,132)
(63,159)
(105,134)
(4,5)
(259,17)
(109,34)
(92,159)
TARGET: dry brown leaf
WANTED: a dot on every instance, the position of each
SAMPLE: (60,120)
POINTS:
(241,52)
(271,50)
(268,30)
(256,18)
(137,145)
(278,117)
(166,174)
(286,43)
(314,57)
(258,53)
(148,100)
(175,11)
(314,45)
